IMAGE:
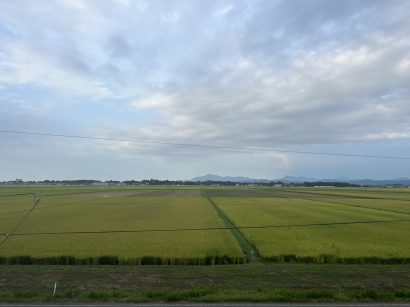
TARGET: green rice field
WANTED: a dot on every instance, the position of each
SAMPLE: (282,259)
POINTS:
(203,225)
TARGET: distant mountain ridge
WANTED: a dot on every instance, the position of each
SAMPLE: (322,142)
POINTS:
(211,177)
(301,179)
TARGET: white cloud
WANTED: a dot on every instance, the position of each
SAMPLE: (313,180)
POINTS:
(223,11)
(325,97)
(158,100)
(248,73)
(281,161)
(123,2)
(387,136)
(404,65)
(170,18)
(20,65)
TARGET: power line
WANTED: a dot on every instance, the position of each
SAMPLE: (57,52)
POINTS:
(204,229)
(236,148)
(11,233)
(19,194)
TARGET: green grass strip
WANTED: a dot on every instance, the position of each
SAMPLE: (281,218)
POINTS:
(247,247)
(210,295)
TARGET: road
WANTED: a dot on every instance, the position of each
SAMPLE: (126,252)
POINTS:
(212,305)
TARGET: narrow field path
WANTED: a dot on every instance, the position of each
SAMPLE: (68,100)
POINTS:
(248,249)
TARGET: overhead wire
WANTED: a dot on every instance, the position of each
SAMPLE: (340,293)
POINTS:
(20,222)
(206,146)
(205,229)
(218,147)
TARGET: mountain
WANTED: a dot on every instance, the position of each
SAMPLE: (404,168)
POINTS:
(300,179)
(371,182)
(211,177)
(297,179)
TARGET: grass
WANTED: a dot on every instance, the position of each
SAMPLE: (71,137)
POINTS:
(211,295)
(248,249)
(250,282)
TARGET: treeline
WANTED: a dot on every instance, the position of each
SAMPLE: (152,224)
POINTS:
(265,183)
(331,184)
(87,182)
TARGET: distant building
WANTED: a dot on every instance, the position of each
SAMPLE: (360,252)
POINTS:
(100,183)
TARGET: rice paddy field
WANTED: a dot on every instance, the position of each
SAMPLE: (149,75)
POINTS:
(78,216)
(203,225)
(313,225)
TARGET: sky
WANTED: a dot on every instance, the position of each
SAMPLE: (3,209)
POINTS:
(304,75)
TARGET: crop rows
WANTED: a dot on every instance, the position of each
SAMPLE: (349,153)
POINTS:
(302,225)
(307,234)
(132,209)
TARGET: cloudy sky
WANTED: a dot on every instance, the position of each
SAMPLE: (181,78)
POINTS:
(306,75)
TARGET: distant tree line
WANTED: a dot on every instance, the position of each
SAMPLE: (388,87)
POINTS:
(332,184)
(90,182)
(137,182)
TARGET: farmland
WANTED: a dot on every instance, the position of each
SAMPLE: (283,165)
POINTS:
(118,210)
(194,225)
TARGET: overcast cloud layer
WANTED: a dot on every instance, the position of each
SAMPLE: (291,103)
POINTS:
(317,75)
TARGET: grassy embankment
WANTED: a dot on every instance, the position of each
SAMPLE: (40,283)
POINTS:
(250,282)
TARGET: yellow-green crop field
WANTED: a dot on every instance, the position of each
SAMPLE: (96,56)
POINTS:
(193,225)
(117,209)
(312,224)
